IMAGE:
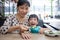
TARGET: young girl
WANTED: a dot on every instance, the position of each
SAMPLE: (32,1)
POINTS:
(33,21)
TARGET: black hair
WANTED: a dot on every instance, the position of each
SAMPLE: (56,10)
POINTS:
(22,2)
(33,16)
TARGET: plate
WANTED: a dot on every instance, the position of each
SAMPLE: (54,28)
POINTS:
(50,33)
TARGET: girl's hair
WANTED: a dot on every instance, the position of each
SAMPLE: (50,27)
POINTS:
(22,2)
(33,16)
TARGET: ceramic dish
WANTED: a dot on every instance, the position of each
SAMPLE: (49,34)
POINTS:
(50,33)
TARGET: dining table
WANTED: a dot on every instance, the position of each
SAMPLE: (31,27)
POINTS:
(34,36)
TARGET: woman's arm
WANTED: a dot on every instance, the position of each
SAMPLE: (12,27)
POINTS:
(13,28)
(7,26)
(20,27)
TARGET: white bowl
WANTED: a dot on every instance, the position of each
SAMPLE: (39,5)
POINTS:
(50,33)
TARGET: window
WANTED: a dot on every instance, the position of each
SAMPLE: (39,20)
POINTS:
(43,7)
(10,8)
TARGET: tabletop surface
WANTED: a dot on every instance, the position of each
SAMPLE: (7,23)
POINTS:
(34,37)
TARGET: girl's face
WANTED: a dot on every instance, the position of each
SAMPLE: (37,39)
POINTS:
(33,21)
(23,10)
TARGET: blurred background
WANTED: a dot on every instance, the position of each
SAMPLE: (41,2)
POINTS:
(44,8)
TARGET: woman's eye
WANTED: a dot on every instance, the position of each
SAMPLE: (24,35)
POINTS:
(22,8)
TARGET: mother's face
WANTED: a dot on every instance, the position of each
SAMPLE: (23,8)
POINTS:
(23,9)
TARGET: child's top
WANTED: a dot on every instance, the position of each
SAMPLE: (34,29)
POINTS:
(35,29)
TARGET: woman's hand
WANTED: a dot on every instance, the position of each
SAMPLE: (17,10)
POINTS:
(23,32)
(26,36)
(23,28)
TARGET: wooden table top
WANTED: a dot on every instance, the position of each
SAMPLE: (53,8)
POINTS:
(34,37)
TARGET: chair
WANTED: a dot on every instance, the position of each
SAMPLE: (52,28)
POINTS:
(2,21)
(41,23)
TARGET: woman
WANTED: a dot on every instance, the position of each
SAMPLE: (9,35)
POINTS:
(17,23)
(15,1)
